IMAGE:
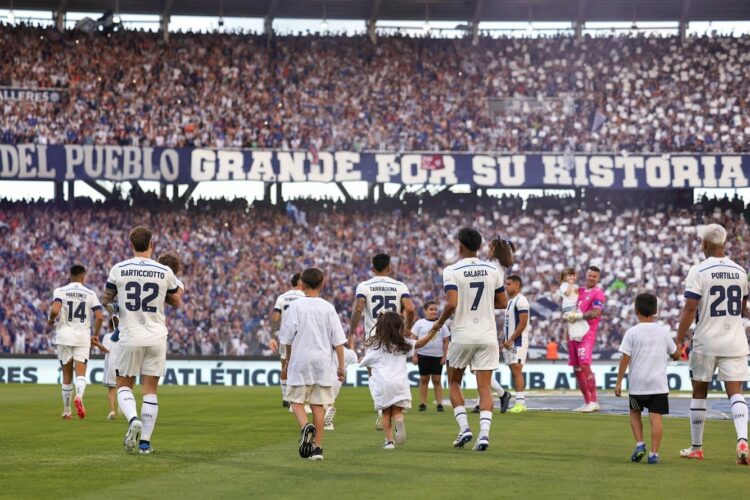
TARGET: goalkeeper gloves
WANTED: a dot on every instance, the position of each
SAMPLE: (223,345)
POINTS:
(573,316)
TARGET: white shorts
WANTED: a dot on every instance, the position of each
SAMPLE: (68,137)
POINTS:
(80,354)
(479,356)
(282,352)
(515,355)
(109,377)
(310,394)
(731,369)
(134,361)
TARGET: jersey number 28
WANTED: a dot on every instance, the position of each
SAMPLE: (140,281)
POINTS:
(733,295)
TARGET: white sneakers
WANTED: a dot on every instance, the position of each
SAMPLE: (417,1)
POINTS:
(591,407)
(328,418)
(588,408)
(400,436)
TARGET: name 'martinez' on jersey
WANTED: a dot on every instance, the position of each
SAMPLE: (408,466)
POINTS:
(142,286)
(74,325)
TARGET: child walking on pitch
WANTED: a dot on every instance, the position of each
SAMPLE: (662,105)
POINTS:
(109,378)
(387,353)
(310,330)
(645,348)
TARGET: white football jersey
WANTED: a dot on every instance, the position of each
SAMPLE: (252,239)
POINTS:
(381,293)
(476,282)
(74,323)
(720,285)
(286,299)
(142,286)
(516,306)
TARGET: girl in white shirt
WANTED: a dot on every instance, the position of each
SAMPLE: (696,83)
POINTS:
(387,354)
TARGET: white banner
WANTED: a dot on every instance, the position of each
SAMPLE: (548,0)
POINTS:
(538,375)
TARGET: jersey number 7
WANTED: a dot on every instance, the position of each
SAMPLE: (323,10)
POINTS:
(479,285)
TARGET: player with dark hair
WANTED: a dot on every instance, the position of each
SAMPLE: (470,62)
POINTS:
(74,304)
(141,286)
(516,338)
(380,293)
(474,289)
(590,304)
(281,305)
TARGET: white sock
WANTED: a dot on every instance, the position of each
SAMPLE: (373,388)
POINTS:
(80,386)
(697,420)
(497,387)
(652,454)
(67,392)
(640,443)
(463,421)
(126,401)
(283,390)
(485,422)
(149,411)
(520,398)
(739,414)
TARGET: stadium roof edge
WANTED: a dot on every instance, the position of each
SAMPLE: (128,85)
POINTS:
(434,10)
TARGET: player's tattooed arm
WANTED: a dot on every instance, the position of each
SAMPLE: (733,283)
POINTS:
(689,310)
(54,313)
(273,344)
(275,321)
(174,299)
(409,312)
(359,307)
(501,300)
(594,313)
(451,304)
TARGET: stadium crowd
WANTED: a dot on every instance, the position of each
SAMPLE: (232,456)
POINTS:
(238,257)
(617,93)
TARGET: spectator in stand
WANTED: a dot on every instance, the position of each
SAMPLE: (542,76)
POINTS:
(612,93)
(552,350)
(250,250)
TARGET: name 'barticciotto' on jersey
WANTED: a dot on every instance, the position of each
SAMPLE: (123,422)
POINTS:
(142,286)
(720,285)
(381,293)
(476,282)
(74,324)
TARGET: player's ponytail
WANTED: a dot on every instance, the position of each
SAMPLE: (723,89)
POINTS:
(502,251)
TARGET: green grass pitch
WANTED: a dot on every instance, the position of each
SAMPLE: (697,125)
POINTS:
(217,442)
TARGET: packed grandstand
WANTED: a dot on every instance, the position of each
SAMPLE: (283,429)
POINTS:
(613,93)
(238,257)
